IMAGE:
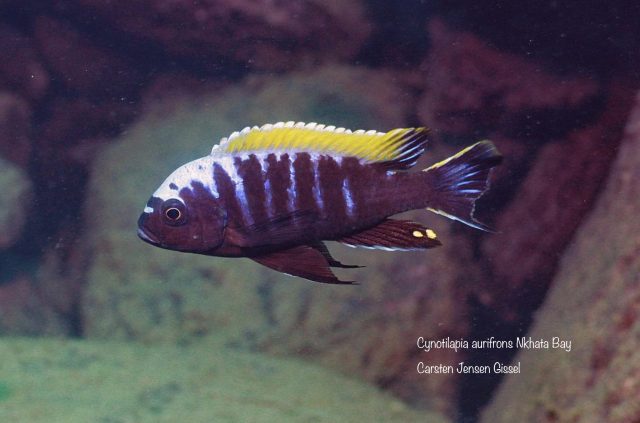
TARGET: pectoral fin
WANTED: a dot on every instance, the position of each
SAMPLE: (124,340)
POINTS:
(283,228)
(304,261)
(277,230)
(322,248)
(394,235)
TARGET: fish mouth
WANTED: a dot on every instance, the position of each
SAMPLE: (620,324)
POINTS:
(143,233)
(147,237)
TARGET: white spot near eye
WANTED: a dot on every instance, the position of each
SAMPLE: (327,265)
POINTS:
(148,210)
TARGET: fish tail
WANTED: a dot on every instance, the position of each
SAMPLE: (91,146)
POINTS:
(458,181)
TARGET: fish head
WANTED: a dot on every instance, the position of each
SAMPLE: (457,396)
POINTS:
(183,215)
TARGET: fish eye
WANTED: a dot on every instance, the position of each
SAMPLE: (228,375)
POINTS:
(174,212)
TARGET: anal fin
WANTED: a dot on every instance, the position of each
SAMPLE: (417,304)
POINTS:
(304,261)
(394,235)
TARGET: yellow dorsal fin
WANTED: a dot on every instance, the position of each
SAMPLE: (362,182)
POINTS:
(400,147)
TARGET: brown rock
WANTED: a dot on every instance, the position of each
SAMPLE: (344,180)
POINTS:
(15,128)
(548,207)
(595,303)
(257,33)
(21,67)
(473,87)
(178,84)
(64,148)
(72,120)
(82,65)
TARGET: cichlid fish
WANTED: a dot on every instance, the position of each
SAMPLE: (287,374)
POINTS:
(275,193)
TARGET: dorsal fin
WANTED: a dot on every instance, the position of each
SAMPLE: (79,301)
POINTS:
(396,149)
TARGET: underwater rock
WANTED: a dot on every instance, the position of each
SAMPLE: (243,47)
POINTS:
(15,127)
(66,142)
(259,34)
(23,309)
(81,65)
(72,122)
(134,291)
(372,331)
(558,134)
(44,380)
(177,84)
(473,88)
(16,193)
(557,194)
(21,67)
(594,302)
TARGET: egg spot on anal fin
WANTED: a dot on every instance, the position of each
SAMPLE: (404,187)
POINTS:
(393,235)
(431,234)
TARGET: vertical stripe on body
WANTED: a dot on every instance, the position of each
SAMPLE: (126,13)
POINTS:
(278,178)
(317,194)
(253,186)
(227,188)
(304,184)
(291,188)
(202,171)
(260,187)
(330,176)
(358,183)
(268,189)
(231,165)
(348,197)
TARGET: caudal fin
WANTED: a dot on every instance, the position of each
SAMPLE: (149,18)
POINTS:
(457,182)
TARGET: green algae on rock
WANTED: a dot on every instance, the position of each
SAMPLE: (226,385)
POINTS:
(25,311)
(594,301)
(45,380)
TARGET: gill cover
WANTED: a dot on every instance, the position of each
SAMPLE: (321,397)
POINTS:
(207,219)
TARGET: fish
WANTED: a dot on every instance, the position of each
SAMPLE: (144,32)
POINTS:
(277,193)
